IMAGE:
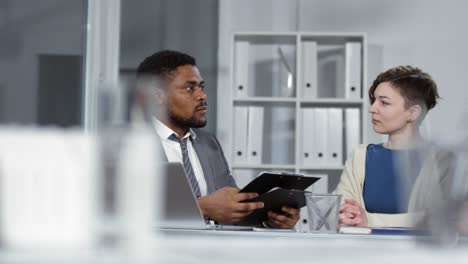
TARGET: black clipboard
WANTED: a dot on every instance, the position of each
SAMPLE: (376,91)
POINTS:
(267,181)
(275,191)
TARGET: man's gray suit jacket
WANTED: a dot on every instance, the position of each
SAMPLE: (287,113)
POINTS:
(212,160)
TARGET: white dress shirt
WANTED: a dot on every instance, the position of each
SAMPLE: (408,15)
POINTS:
(174,152)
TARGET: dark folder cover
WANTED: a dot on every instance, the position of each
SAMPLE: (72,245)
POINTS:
(275,191)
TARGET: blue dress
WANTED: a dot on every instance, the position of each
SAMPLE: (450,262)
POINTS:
(390,176)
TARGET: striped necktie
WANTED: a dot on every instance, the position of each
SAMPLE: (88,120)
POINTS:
(187,165)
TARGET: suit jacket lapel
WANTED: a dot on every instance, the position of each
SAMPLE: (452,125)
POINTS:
(206,165)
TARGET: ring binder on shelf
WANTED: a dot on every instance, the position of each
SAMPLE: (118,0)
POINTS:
(255,135)
(353,70)
(335,136)
(241,68)
(241,114)
(351,130)
(308,148)
(309,72)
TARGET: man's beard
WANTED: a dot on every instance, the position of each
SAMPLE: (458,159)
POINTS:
(191,122)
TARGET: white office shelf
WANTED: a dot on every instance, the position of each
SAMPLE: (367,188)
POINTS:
(265,100)
(257,34)
(287,90)
(287,167)
(265,166)
(321,167)
(331,101)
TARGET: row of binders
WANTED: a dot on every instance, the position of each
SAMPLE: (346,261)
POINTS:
(312,63)
(248,136)
(328,135)
(316,60)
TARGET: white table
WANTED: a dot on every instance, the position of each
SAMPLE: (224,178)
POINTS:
(195,246)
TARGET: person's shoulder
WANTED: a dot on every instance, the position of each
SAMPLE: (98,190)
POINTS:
(374,147)
(359,152)
(360,149)
(207,139)
(203,133)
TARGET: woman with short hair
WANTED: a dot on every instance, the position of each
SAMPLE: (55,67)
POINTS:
(378,179)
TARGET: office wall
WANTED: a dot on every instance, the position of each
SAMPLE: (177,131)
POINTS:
(429,34)
(29,29)
(245,15)
(148,26)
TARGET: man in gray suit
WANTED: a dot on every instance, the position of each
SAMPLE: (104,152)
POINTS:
(181,109)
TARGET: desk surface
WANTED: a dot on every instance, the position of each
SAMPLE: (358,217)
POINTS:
(195,246)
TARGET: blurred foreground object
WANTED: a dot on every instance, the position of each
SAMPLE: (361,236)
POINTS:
(47,188)
(130,183)
(444,192)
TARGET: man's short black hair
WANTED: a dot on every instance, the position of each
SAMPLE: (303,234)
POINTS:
(163,63)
